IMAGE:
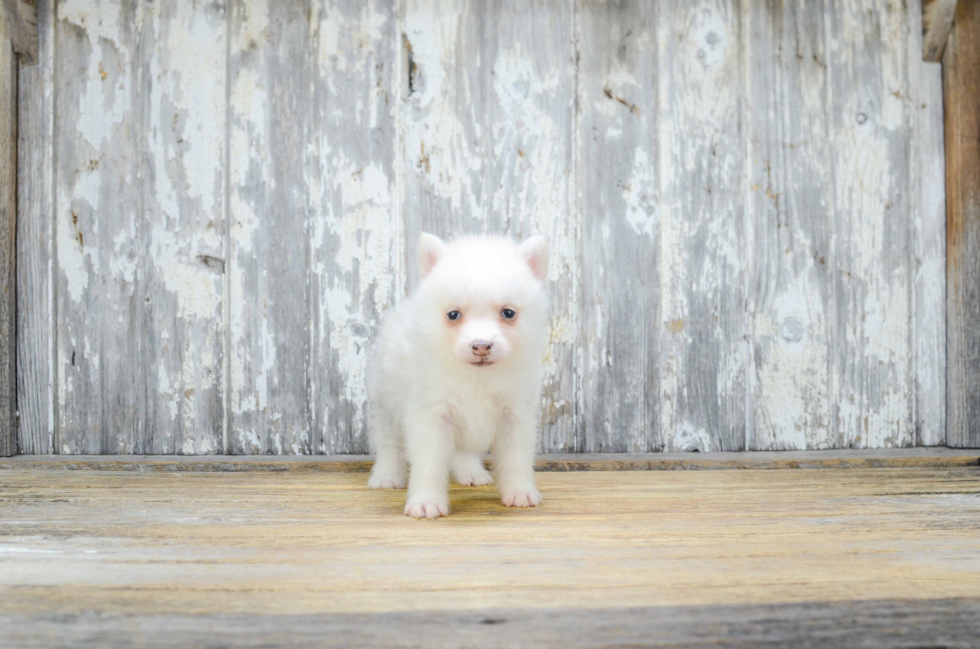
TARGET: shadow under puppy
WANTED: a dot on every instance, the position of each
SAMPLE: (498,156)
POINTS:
(458,371)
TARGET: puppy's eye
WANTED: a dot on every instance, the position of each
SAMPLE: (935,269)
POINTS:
(508,314)
(454,315)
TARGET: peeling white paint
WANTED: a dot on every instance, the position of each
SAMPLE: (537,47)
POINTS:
(687,437)
(640,196)
(192,42)
(167,391)
(436,143)
(793,379)
(108,89)
(249,102)
(194,285)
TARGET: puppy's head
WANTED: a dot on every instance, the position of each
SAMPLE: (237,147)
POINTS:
(483,301)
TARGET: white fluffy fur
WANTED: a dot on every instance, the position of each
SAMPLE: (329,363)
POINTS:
(431,404)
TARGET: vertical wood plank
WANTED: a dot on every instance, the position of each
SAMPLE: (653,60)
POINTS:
(704,346)
(182,60)
(488,119)
(928,205)
(97,228)
(788,219)
(961,90)
(355,228)
(8,253)
(36,322)
(619,201)
(870,136)
(270,106)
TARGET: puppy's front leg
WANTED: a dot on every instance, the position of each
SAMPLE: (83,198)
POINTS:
(429,444)
(512,454)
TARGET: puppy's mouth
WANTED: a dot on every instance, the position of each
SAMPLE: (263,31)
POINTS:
(483,362)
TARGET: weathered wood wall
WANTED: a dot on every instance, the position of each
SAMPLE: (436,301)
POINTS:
(744,201)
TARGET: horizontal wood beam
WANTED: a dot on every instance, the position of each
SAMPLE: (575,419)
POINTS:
(933,457)
(20,17)
(937,21)
(961,94)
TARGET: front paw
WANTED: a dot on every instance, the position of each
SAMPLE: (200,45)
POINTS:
(427,506)
(527,497)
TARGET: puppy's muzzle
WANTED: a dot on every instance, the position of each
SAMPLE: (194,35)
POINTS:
(481,348)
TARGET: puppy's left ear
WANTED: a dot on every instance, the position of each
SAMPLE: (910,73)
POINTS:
(535,253)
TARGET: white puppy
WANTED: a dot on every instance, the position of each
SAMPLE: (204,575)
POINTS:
(458,372)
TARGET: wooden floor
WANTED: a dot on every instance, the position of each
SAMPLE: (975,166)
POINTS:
(842,557)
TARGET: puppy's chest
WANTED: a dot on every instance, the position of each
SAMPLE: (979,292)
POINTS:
(477,414)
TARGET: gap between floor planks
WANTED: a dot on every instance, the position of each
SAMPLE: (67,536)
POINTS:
(933,457)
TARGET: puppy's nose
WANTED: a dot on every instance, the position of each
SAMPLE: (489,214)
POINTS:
(481,348)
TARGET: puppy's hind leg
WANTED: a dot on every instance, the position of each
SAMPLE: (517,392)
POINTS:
(389,460)
(468,470)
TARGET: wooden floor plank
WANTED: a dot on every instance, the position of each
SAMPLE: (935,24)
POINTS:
(858,557)
(78,545)
(880,624)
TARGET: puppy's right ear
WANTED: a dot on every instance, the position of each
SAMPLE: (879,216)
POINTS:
(431,248)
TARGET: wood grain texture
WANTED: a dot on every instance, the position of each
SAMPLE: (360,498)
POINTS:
(789,227)
(928,217)
(98,227)
(619,200)
(961,91)
(36,323)
(181,264)
(899,624)
(8,238)
(872,278)
(487,147)
(270,113)
(356,229)
(937,21)
(135,544)
(702,234)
